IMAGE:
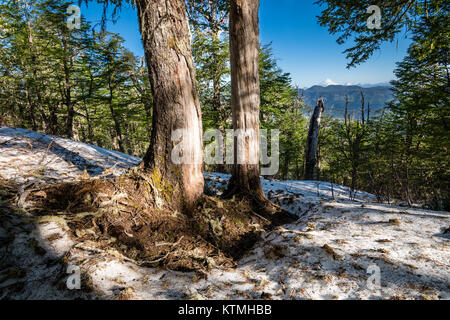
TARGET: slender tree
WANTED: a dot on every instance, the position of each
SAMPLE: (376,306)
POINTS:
(245,98)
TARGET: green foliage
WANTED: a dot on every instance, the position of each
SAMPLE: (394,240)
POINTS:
(403,153)
(85,85)
(348,18)
(282,109)
(211,56)
(209,16)
(75,83)
(334,95)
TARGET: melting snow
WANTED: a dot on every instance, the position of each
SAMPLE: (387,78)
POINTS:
(326,254)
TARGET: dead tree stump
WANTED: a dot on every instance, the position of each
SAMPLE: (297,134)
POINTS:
(313,140)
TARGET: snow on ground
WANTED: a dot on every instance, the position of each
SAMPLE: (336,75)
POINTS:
(326,254)
(27,155)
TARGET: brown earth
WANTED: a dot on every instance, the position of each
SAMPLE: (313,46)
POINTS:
(132,214)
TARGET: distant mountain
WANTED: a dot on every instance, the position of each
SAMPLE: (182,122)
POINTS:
(373,85)
(334,97)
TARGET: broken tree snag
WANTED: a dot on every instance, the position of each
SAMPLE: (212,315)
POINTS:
(362,105)
(313,140)
(176,151)
(245,98)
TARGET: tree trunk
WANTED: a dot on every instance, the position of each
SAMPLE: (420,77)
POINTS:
(217,103)
(297,170)
(319,173)
(286,165)
(355,175)
(67,88)
(166,38)
(245,98)
(144,98)
(31,109)
(115,118)
(70,115)
(287,158)
(35,80)
(312,140)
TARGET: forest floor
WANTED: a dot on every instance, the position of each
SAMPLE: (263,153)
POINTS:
(333,250)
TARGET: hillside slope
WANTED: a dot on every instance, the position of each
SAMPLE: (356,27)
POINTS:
(334,96)
(325,254)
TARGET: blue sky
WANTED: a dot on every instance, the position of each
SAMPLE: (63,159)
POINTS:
(301,46)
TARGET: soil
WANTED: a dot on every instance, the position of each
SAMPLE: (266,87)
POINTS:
(132,214)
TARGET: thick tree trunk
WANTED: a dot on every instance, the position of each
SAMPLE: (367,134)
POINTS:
(176,106)
(245,98)
(313,140)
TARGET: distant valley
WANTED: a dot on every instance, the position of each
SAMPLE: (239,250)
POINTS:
(334,96)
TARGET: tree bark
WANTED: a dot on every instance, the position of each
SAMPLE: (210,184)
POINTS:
(144,97)
(313,140)
(166,38)
(35,80)
(216,101)
(67,88)
(245,98)
(115,117)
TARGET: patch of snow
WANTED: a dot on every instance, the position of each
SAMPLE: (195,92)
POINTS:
(325,254)
(329,82)
(27,155)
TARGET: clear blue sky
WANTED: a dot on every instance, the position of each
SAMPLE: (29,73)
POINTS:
(301,46)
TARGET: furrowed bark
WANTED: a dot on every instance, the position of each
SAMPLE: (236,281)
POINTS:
(245,98)
(166,39)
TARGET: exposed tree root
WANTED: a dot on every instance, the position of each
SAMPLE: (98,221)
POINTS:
(132,214)
(260,205)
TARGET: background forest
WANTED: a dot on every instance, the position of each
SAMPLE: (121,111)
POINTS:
(83,84)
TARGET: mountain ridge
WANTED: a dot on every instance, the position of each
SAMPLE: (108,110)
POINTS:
(334,98)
